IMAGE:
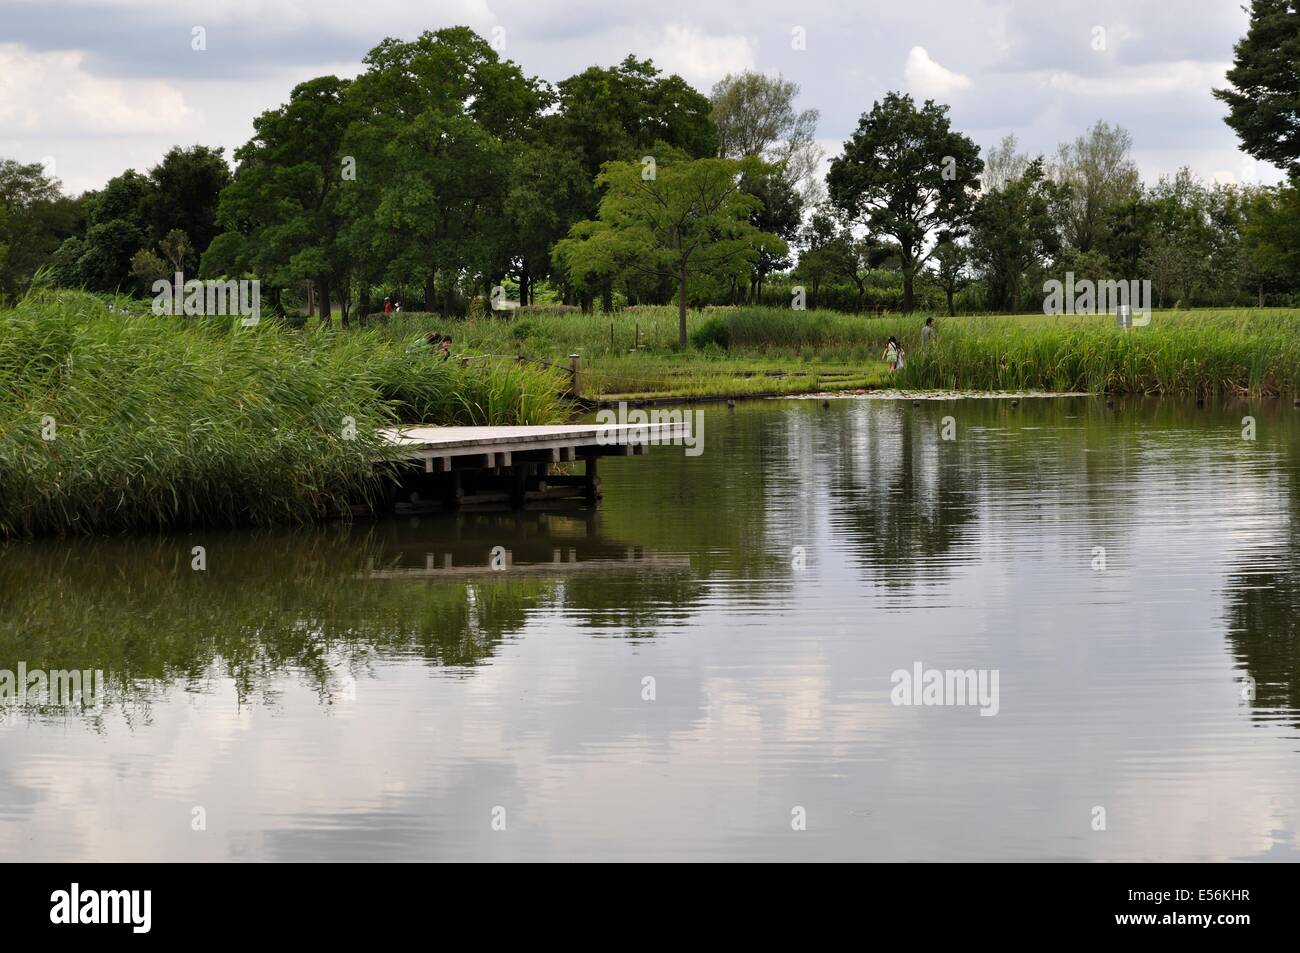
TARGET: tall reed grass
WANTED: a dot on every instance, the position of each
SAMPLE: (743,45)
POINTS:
(1202,353)
(112,418)
(1180,352)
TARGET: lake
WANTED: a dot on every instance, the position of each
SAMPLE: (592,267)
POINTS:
(963,630)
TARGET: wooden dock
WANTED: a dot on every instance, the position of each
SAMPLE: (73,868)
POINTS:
(517,466)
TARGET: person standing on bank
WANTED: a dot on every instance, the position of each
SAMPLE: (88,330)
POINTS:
(928,332)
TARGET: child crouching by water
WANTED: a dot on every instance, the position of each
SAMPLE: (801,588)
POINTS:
(893,354)
(433,342)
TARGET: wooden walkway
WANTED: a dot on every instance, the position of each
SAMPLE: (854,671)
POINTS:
(495,467)
(444,448)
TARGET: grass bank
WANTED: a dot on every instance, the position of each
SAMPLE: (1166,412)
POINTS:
(1246,352)
(741,351)
(634,352)
(112,418)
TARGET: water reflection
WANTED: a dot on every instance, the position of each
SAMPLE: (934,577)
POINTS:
(374,690)
(1263,598)
(316,603)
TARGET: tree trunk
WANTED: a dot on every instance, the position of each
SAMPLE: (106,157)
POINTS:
(429,292)
(345,300)
(952,312)
(323,300)
(681,308)
(364,304)
(909,299)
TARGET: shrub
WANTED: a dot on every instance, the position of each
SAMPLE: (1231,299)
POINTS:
(523,330)
(713,332)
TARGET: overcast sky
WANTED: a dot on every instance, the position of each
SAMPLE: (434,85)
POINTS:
(96,86)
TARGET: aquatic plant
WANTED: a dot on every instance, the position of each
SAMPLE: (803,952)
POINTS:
(112,418)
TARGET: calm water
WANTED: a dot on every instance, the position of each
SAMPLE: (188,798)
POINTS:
(377,692)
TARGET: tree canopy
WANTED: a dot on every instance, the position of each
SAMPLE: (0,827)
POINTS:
(670,221)
(906,175)
(444,174)
(1263,94)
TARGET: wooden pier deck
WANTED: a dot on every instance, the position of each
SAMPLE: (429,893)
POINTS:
(513,466)
(441,448)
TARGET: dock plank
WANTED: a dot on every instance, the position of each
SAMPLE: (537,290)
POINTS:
(459,438)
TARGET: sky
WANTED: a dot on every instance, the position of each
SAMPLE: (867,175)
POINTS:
(92,87)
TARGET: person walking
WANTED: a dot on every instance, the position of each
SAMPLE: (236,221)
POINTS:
(928,332)
(893,354)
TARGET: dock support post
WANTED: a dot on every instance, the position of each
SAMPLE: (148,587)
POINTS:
(592,474)
(453,495)
(519,485)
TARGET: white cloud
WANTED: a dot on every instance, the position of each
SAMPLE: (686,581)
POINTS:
(51,94)
(699,57)
(1155,79)
(928,78)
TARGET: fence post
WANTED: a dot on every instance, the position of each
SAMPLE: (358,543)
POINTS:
(573,374)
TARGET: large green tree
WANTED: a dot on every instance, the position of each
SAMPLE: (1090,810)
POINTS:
(187,186)
(117,226)
(950,268)
(1271,239)
(1101,174)
(688,218)
(1264,93)
(281,213)
(621,112)
(547,184)
(756,117)
(907,176)
(1016,229)
(35,217)
(624,113)
(1177,259)
(444,120)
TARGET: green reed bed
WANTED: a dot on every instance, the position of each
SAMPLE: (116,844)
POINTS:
(735,351)
(1255,353)
(634,352)
(112,418)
